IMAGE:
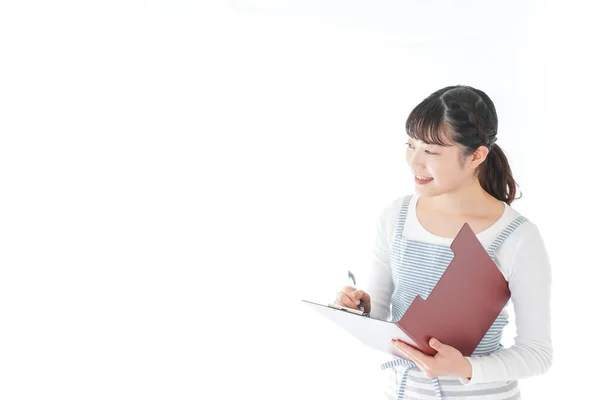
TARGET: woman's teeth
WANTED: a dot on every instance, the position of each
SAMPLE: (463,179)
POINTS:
(422,180)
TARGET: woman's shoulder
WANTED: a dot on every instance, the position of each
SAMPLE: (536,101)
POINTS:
(392,208)
(523,226)
(389,217)
(522,237)
(523,251)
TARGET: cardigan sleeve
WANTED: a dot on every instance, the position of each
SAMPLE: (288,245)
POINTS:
(530,284)
(379,283)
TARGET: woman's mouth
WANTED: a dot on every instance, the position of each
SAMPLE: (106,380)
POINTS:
(422,180)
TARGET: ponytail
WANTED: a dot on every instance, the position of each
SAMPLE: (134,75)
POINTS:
(495,176)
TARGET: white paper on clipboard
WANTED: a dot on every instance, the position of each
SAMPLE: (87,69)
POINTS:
(374,333)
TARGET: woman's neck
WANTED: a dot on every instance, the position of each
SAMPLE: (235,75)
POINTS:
(471,200)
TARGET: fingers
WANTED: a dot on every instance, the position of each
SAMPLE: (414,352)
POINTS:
(442,349)
(412,354)
(423,367)
(417,356)
(355,295)
(435,344)
(345,300)
(348,297)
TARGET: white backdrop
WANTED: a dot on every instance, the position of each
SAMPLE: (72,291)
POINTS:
(176,176)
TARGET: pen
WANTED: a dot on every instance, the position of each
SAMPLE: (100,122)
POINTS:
(351,276)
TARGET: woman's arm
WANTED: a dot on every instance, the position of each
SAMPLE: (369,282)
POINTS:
(379,284)
(529,284)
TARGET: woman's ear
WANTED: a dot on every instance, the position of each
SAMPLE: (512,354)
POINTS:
(478,156)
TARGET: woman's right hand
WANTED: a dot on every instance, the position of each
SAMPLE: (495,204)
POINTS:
(350,297)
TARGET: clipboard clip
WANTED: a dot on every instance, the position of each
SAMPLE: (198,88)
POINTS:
(350,310)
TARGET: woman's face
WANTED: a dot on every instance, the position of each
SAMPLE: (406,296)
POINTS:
(443,167)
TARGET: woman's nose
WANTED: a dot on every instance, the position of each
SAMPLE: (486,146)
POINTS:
(416,161)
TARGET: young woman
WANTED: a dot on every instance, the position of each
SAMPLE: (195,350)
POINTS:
(461,175)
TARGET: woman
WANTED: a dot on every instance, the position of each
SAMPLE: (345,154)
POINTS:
(461,175)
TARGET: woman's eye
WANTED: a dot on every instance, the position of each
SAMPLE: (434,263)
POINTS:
(426,151)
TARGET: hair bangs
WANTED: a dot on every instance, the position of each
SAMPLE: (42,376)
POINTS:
(427,123)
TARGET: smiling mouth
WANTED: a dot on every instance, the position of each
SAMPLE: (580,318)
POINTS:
(422,179)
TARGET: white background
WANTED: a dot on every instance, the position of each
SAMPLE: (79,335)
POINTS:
(176,176)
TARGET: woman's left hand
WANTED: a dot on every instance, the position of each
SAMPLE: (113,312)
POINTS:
(447,362)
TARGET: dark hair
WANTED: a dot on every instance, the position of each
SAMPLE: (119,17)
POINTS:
(468,117)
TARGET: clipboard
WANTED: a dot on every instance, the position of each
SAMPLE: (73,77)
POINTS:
(375,333)
(459,311)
